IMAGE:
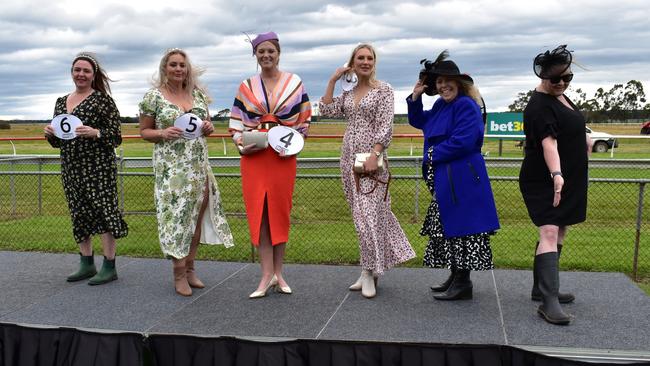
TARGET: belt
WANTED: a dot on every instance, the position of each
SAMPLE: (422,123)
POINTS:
(268,121)
(266,126)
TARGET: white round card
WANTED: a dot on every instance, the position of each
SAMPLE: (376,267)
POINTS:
(64,126)
(191,125)
(349,80)
(286,139)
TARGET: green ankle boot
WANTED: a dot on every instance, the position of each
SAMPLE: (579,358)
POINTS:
(86,269)
(106,274)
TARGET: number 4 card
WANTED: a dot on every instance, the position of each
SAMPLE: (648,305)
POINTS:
(286,139)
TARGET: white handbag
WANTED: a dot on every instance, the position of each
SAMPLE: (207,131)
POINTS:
(360,158)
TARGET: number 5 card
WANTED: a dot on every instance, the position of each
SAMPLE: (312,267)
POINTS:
(64,126)
(286,139)
(191,125)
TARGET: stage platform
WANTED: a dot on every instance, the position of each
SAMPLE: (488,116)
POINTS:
(612,315)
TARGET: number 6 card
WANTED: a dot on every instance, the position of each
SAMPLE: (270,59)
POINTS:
(191,125)
(64,126)
(286,139)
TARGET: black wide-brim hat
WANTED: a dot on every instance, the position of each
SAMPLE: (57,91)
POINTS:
(440,67)
(449,68)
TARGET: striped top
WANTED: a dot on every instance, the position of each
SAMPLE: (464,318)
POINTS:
(287,104)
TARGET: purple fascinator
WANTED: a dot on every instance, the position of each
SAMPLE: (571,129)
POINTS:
(263,37)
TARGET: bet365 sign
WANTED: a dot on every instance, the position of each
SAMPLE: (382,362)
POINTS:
(506,123)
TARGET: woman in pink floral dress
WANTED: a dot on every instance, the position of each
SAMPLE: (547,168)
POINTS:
(368,108)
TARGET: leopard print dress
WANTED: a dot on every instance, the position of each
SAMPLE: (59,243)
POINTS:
(382,242)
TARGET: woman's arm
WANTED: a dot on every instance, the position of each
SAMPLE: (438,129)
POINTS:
(552,159)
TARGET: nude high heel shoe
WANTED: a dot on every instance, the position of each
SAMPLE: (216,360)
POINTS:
(261,293)
(282,289)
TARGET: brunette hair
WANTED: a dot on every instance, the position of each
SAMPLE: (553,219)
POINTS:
(100,78)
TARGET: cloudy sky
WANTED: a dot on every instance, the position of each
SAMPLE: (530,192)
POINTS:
(493,40)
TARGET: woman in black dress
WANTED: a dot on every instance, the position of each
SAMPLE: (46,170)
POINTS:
(88,167)
(553,177)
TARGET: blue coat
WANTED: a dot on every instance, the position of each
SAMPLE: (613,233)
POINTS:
(462,187)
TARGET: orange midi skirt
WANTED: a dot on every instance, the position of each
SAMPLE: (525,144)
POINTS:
(266,176)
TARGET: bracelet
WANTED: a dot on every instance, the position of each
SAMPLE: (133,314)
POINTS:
(556,173)
(160,134)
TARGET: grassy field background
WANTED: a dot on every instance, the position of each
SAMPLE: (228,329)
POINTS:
(322,230)
(628,148)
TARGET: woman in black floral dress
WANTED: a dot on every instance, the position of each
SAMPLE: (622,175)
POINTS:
(88,167)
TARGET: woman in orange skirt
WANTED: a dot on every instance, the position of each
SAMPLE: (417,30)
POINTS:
(263,101)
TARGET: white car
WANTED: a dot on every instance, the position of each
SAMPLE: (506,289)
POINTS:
(602,140)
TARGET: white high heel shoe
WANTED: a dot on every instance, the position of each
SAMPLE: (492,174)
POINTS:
(282,289)
(261,293)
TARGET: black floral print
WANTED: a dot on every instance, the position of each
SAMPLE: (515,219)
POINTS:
(89,169)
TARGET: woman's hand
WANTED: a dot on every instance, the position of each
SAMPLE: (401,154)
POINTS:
(48,131)
(207,128)
(250,149)
(86,132)
(339,72)
(370,165)
(418,89)
(171,133)
(558,183)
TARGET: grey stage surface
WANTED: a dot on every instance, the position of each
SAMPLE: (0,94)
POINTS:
(611,313)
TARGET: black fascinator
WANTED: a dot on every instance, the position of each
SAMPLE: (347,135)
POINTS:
(545,63)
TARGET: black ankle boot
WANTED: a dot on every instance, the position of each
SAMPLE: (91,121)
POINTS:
(460,288)
(86,269)
(536,295)
(548,282)
(445,285)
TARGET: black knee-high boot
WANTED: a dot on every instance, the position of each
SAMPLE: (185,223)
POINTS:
(445,285)
(548,282)
(460,288)
(536,295)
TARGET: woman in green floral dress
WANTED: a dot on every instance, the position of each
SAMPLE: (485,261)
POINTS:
(188,203)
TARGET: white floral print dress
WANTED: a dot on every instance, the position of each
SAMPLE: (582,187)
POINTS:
(181,168)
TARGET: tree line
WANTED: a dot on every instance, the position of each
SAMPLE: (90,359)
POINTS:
(620,103)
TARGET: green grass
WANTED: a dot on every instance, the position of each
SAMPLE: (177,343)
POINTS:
(322,229)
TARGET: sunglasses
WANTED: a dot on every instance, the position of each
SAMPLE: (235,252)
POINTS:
(556,79)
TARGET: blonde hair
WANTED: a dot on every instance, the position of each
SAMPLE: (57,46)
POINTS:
(470,90)
(373,79)
(191,81)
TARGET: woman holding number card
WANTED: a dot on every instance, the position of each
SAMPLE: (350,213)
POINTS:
(188,203)
(272,98)
(369,110)
(88,167)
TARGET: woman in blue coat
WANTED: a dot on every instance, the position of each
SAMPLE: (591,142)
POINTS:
(462,214)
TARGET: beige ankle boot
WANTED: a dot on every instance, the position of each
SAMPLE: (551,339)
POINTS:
(192,279)
(367,284)
(180,278)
